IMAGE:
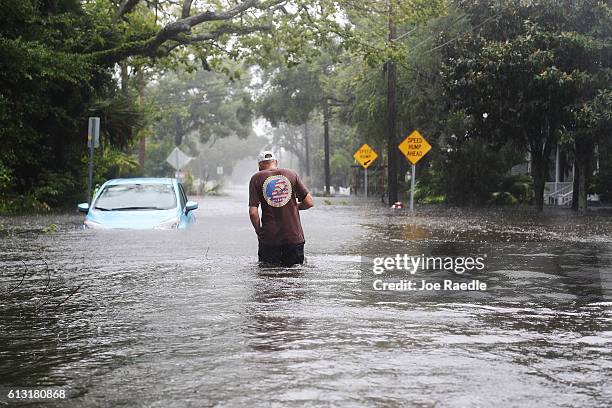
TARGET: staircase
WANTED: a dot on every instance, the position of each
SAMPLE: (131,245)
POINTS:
(558,193)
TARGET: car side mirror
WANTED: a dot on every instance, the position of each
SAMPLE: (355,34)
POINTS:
(83,207)
(190,206)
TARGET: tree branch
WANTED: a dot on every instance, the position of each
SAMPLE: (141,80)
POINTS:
(215,16)
(214,35)
(186,8)
(174,29)
(125,7)
(225,29)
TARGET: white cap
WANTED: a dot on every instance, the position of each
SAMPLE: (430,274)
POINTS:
(265,156)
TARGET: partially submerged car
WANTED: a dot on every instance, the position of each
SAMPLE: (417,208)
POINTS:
(139,203)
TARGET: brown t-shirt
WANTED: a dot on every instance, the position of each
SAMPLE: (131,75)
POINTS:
(276,191)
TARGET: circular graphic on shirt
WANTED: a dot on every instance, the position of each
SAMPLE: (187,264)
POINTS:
(277,190)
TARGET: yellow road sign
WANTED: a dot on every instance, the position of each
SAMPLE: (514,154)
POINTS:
(365,156)
(414,147)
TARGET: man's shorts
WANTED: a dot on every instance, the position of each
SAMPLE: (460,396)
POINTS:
(285,255)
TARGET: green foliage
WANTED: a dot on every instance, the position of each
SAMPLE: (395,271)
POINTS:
(111,162)
(157,149)
(22,204)
(120,118)
(514,190)
(48,88)
(484,80)
(503,198)
(204,104)
(50,228)
(531,79)
(293,92)
(472,172)
(426,193)
(215,190)
(339,164)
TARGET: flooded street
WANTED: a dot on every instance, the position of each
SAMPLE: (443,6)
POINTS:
(188,319)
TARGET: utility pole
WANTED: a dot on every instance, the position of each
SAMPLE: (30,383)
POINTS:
(326,143)
(142,148)
(140,85)
(306,148)
(93,141)
(392,110)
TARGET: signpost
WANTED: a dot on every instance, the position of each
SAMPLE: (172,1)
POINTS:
(414,147)
(178,159)
(365,156)
(93,141)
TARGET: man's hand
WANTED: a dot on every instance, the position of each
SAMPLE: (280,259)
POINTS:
(254,216)
(306,203)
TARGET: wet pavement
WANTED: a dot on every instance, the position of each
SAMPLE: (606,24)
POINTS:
(188,319)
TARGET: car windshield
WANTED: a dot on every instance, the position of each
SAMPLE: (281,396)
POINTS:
(136,197)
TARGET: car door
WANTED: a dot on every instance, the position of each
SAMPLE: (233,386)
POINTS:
(189,218)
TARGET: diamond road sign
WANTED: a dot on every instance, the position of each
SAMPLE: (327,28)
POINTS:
(365,156)
(414,147)
(178,159)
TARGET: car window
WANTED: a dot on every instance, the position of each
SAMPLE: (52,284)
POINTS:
(136,197)
(182,195)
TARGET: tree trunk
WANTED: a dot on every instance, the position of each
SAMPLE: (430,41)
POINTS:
(306,149)
(142,145)
(326,144)
(538,172)
(582,186)
(583,149)
(392,112)
(124,77)
(575,186)
(178,131)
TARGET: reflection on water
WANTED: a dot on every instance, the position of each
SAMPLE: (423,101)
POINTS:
(171,319)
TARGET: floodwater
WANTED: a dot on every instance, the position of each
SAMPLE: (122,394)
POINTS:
(188,319)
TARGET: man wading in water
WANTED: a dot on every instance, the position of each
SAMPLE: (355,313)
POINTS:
(281,239)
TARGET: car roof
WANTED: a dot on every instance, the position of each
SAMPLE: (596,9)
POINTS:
(141,180)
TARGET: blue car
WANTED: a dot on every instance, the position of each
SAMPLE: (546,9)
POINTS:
(139,203)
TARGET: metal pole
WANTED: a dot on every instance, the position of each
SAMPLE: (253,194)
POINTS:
(557,175)
(412,180)
(392,188)
(326,118)
(91,166)
(366,184)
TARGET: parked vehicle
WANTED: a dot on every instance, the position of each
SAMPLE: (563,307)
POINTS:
(139,203)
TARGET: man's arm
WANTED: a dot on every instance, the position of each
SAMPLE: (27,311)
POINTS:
(306,203)
(254,215)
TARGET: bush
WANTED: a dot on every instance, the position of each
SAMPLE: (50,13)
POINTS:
(514,190)
(18,204)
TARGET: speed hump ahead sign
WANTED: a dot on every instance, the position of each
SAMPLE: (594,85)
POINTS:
(365,156)
(414,147)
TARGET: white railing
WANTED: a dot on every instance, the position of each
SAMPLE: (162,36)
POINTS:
(558,193)
(565,199)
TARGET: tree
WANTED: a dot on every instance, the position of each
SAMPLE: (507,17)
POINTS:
(46,91)
(520,82)
(206,104)
(235,28)
(292,95)
(591,124)
(58,61)
(377,37)
(195,110)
